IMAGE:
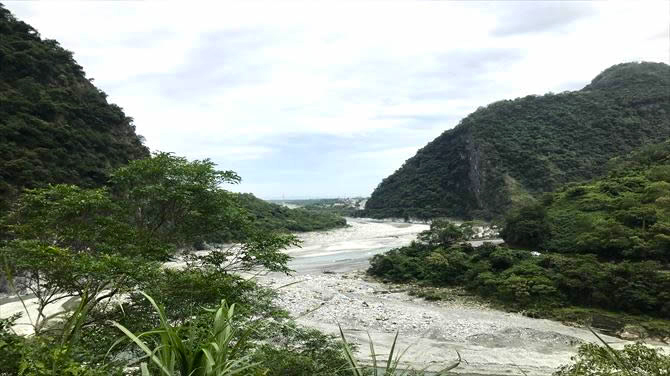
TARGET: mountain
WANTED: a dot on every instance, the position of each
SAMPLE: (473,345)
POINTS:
(55,125)
(510,151)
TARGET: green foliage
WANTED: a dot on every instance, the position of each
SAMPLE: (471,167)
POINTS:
(526,226)
(172,200)
(296,351)
(348,207)
(442,233)
(55,126)
(273,217)
(623,215)
(221,354)
(95,244)
(10,347)
(519,279)
(502,155)
(637,359)
(41,358)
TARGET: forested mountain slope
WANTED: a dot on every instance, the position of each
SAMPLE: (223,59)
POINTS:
(55,126)
(624,215)
(509,151)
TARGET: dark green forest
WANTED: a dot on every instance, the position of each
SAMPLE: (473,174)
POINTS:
(55,125)
(513,150)
(599,248)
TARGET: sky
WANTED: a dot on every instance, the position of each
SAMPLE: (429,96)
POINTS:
(325,99)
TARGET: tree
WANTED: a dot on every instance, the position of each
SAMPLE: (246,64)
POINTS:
(442,233)
(527,226)
(93,244)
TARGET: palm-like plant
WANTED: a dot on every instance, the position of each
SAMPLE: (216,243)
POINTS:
(220,355)
(391,366)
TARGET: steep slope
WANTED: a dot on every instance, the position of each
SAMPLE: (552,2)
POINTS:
(512,150)
(55,126)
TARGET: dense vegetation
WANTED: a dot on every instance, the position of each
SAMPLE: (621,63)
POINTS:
(89,246)
(601,245)
(513,150)
(272,216)
(349,207)
(622,216)
(55,126)
(637,359)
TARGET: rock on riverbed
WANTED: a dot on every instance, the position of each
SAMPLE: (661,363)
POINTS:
(491,342)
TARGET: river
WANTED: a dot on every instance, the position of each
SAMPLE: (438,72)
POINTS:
(490,341)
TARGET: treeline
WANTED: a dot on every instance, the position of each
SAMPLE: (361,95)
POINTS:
(527,281)
(514,150)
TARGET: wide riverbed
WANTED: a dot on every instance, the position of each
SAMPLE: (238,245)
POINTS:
(490,341)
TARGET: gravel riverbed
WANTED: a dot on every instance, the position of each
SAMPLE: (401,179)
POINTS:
(332,289)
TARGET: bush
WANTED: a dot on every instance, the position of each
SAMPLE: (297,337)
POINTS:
(637,359)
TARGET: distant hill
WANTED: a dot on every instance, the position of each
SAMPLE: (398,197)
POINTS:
(55,125)
(274,217)
(510,151)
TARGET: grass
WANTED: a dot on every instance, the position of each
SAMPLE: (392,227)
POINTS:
(219,355)
(390,366)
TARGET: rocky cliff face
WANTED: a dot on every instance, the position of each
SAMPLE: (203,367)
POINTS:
(55,125)
(512,150)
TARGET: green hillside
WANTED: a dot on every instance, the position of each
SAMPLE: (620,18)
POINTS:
(510,151)
(55,125)
(274,217)
(622,216)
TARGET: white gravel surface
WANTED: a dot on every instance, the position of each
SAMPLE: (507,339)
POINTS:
(490,341)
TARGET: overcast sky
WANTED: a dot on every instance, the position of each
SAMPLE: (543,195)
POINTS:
(316,99)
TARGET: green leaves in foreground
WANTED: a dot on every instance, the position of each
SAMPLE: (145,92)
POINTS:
(219,355)
(634,360)
(391,366)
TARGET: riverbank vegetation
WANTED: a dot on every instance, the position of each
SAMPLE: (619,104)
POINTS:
(595,251)
(97,235)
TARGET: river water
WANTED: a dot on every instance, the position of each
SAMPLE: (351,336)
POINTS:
(333,290)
